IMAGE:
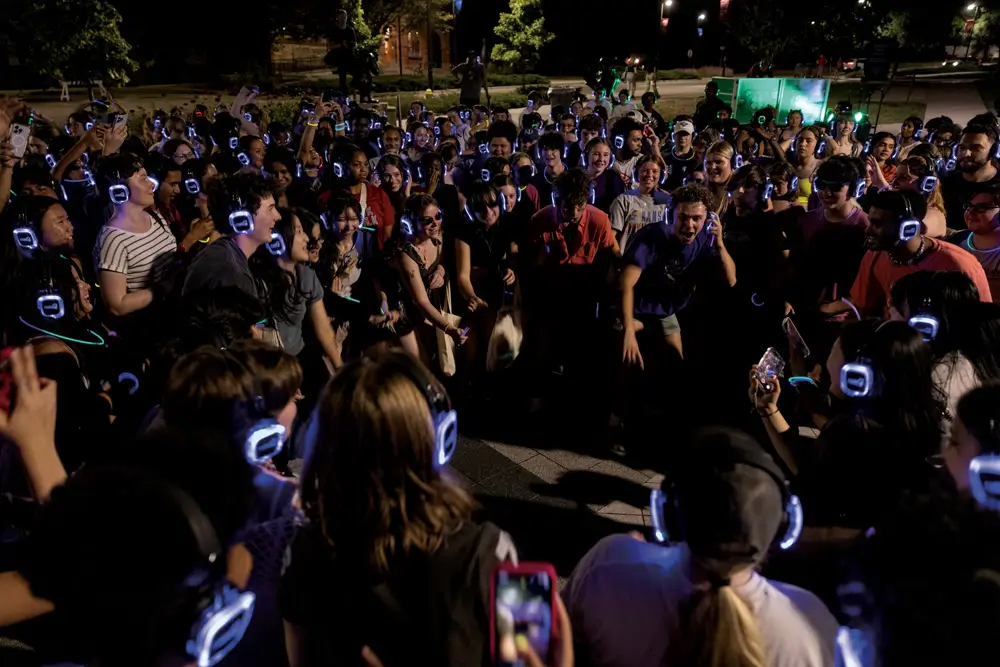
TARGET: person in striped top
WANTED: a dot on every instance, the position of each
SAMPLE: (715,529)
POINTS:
(135,244)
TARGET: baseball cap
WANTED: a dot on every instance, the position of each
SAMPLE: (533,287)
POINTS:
(528,135)
(636,116)
(684,126)
(730,503)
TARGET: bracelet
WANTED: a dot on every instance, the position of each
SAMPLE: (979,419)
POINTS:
(339,127)
(316,124)
(765,415)
(796,380)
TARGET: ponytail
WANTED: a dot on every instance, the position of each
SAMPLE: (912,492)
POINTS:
(718,629)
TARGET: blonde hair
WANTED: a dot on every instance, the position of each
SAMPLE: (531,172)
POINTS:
(372,487)
(718,630)
(919,166)
(724,149)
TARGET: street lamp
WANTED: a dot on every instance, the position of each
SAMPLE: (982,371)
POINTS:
(974,8)
(668,3)
(971,7)
(701,17)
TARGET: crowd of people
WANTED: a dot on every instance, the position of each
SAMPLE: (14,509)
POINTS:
(237,353)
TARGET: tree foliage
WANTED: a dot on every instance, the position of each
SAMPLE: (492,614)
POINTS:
(766,29)
(69,40)
(521,34)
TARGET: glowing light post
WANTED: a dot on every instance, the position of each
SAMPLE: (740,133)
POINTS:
(974,9)
(665,6)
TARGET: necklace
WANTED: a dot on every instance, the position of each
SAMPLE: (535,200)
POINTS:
(99,341)
(968,243)
(917,256)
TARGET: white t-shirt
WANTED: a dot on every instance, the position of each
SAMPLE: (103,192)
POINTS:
(640,209)
(134,255)
(955,376)
(624,602)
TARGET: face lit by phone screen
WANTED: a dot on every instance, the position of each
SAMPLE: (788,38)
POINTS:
(522,608)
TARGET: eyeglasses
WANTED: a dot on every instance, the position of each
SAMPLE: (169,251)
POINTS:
(829,186)
(981,208)
(428,219)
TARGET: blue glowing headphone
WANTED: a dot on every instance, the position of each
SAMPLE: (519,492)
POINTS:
(25,234)
(276,246)
(444,417)
(225,611)
(909,226)
(49,301)
(119,191)
(240,217)
(256,432)
(192,186)
(926,322)
(858,378)
(667,516)
(953,160)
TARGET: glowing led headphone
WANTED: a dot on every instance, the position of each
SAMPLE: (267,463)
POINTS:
(119,191)
(663,174)
(276,246)
(192,186)
(240,218)
(665,510)
(25,237)
(443,417)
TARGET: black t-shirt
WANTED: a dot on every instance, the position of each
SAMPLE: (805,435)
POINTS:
(221,264)
(433,607)
(756,244)
(678,168)
(957,193)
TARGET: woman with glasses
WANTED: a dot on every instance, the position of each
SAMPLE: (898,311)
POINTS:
(982,238)
(420,269)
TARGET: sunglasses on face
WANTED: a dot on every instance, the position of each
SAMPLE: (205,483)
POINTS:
(829,186)
(437,218)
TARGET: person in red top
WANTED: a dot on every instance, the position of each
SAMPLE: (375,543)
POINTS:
(352,164)
(569,249)
(897,248)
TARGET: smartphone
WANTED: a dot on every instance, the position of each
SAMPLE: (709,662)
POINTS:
(522,602)
(647,131)
(794,337)
(770,367)
(19,134)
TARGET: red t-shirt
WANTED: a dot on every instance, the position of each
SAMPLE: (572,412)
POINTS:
(547,237)
(878,273)
(531,192)
(377,201)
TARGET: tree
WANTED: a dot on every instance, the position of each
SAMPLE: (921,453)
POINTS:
(765,29)
(521,34)
(70,40)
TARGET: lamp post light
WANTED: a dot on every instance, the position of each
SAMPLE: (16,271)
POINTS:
(701,17)
(974,8)
(665,6)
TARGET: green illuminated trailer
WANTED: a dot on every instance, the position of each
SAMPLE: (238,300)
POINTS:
(749,95)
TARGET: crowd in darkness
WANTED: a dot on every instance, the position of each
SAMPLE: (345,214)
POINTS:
(238,356)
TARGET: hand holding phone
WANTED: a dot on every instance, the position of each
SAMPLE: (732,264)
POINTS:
(770,367)
(524,609)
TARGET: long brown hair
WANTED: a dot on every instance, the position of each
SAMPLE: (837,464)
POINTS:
(371,486)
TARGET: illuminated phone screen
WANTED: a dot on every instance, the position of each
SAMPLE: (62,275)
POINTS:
(523,607)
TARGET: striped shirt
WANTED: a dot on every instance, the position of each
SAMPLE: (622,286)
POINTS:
(135,255)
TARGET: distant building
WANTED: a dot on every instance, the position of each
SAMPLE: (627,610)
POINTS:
(414,51)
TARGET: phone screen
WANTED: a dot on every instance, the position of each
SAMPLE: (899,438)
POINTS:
(523,606)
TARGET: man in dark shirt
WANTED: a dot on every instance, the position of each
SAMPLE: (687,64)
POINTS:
(681,158)
(243,209)
(343,41)
(975,172)
(473,76)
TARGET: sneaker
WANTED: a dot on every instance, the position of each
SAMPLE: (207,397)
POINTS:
(616,440)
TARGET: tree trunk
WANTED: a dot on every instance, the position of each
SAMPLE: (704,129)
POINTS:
(430,54)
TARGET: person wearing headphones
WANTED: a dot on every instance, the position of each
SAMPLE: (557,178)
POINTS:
(244,207)
(829,241)
(808,148)
(551,147)
(389,558)
(82,557)
(681,160)
(720,163)
(918,174)
(878,423)
(645,204)
(699,601)
(982,238)
(896,247)
(50,227)
(975,170)
(132,247)
(923,589)
(419,263)
(664,263)
(909,137)
(975,431)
